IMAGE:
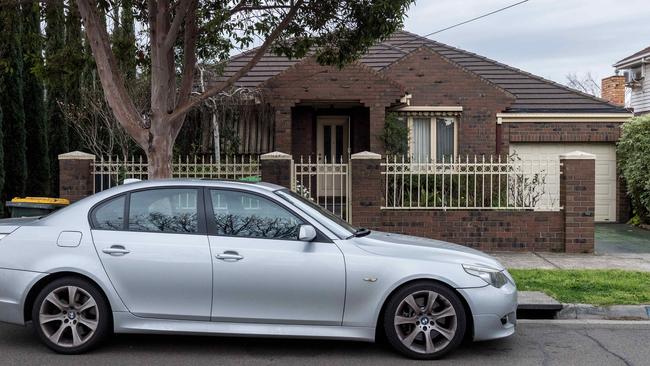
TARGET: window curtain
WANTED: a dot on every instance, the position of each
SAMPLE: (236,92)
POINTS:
(421,139)
(444,139)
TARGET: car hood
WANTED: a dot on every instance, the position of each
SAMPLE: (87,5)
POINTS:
(405,246)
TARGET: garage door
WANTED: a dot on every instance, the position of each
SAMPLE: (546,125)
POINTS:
(605,169)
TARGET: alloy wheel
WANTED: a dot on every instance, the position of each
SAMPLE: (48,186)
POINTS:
(425,322)
(68,316)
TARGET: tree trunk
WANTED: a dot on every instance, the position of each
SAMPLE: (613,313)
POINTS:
(159,157)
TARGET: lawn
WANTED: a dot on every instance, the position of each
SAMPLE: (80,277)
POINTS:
(598,287)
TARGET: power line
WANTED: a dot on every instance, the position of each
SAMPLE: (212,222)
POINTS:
(467,21)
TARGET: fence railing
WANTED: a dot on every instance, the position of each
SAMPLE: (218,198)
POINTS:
(110,172)
(472,183)
(325,182)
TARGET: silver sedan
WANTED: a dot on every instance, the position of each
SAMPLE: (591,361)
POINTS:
(234,258)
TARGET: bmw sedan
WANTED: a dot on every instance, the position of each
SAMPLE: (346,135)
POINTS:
(246,259)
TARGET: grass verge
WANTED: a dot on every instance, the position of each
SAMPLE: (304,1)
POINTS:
(597,287)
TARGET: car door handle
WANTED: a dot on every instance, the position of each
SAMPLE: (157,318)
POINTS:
(229,256)
(116,250)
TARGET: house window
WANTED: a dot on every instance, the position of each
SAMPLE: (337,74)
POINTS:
(432,138)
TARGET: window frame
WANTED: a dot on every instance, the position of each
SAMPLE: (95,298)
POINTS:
(200,207)
(433,145)
(212,230)
(92,217)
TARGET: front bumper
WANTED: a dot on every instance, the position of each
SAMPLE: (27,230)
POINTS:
(14,286)
(494,310)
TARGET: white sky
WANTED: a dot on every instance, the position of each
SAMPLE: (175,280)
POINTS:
(549,38)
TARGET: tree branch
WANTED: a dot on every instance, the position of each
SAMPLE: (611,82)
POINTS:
(189,62)
(109,73)
(183,8)
(186,107)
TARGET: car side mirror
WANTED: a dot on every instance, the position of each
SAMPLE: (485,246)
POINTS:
(306,233)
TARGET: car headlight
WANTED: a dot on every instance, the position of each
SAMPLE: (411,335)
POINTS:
(491,276)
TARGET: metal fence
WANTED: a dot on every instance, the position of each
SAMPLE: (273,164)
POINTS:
(325,182)
(472,183)
(110,172)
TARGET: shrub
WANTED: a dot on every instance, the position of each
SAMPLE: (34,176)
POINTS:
(395,135)
(634,162)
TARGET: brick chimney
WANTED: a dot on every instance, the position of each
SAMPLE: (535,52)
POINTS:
(613,89)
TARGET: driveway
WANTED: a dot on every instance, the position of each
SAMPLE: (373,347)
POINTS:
(621,239)
(545,343)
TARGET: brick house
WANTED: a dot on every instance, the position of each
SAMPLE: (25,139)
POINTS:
(455,103)
(459,107)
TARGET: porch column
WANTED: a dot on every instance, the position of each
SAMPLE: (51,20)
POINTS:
(578,197)
(365,189)
(75,175)
(275,167)
(377,119)
(283,128)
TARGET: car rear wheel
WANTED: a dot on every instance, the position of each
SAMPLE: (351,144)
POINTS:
(424,320)
(70,315)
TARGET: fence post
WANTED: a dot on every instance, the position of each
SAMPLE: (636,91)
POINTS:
(75,175)
(366,190)
(276,168)
(577,197)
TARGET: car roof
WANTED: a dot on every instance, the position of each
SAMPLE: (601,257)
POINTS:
(216,183)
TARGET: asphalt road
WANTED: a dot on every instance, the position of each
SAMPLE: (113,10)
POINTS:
(535,344)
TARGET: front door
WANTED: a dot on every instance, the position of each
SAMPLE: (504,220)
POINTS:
(333,138)
(333,151)
(159,259)
(262,273)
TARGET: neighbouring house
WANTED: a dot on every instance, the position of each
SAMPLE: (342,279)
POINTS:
(455,103)
(635,68)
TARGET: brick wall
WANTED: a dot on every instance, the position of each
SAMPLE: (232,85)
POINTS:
(495,230)
(577,196)
(308,81)
(75,177)
(559,132)
(570,230)
(435,81)
(275,167)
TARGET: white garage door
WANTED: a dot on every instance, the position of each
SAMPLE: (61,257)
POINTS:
(605,169)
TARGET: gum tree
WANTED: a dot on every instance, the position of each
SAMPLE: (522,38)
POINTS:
(178,33)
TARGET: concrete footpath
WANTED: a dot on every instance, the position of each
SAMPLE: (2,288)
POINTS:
(624,261)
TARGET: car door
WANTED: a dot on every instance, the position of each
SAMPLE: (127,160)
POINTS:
(158,259)
(262,272)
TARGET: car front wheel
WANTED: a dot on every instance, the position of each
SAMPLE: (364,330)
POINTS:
(70,315)
(424,320)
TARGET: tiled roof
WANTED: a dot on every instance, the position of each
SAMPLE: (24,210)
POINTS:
(633,57)
(533,93)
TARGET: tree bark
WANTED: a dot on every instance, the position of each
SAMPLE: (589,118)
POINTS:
(160,151)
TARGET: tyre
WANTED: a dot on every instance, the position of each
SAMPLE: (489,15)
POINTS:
(71,316)
(424,320)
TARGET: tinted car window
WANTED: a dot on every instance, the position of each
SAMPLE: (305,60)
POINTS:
(109,215)
(164,210)
(248,215)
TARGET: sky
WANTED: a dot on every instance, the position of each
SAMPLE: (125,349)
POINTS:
(549,38)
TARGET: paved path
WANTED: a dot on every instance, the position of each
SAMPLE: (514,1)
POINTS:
(547,343)
(618,246)
(621,238)
(625,261)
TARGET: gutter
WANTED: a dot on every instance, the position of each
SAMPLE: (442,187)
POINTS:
(642,60)
(563,117)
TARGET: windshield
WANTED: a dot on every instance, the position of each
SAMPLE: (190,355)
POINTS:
(293,196)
